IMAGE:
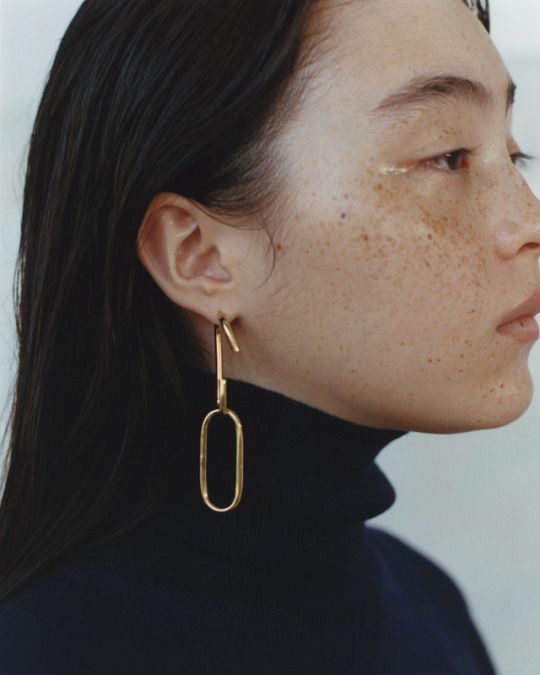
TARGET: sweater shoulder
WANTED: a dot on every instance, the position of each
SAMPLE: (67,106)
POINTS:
(410,567)
(95,599)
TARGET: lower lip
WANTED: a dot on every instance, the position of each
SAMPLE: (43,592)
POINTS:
(523,329)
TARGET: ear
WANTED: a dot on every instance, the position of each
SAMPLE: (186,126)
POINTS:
(191,255)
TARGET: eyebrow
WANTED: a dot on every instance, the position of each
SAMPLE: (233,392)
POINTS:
(424,90)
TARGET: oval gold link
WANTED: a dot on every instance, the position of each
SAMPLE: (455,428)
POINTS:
(239,477)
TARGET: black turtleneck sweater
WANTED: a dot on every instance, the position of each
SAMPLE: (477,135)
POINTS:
(291,582)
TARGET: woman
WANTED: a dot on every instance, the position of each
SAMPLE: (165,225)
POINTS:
(259,243)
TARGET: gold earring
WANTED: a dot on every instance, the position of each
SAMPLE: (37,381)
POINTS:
(222,326)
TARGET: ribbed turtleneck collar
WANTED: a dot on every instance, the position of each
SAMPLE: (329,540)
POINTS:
(310,480)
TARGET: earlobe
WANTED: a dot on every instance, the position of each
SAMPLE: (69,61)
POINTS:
(178,246)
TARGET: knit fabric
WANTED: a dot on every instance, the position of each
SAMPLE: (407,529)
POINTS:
(291,582)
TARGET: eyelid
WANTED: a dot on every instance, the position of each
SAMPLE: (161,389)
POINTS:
(425,163)
(515,156)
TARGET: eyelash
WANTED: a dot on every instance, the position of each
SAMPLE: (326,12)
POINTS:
(518,158)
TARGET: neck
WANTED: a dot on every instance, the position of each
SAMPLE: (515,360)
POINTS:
(310,481)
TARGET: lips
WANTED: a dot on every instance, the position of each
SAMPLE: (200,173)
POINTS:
(527,309)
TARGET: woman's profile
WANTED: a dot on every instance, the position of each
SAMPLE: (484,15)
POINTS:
(260,242)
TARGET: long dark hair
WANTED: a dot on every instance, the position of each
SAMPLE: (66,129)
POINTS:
(143,96)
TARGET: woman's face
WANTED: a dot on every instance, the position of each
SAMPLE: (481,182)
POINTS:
(396,261)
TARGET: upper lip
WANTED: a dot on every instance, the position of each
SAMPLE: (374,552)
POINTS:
(530,307)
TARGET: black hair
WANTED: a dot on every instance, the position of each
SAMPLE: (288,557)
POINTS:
(143,96)
(480,9)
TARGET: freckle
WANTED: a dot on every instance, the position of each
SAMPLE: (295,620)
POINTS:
(402,344)
(365,237)
(430,236)
(430,360)
(346,196)
(461,356)
(491,390)
(502,386)
(343,215)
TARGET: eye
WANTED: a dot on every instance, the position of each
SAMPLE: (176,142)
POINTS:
(451,161)
(521,158)
(457,160)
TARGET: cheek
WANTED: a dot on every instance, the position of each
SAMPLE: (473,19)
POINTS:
(405,264)
(415,244)
(388,255)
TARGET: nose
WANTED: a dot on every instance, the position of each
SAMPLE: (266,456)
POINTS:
(518,227)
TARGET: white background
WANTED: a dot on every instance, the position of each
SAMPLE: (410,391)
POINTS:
(469,501)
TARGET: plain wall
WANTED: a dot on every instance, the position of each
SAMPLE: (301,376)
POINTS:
(469,501)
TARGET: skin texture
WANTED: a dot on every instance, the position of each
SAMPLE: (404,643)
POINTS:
(393,268)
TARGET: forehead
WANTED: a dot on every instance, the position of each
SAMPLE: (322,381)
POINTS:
(372,46)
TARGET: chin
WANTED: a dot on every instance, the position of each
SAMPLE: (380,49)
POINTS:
(479,409)
(504,404)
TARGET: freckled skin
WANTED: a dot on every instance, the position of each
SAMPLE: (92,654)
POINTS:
(389,285)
